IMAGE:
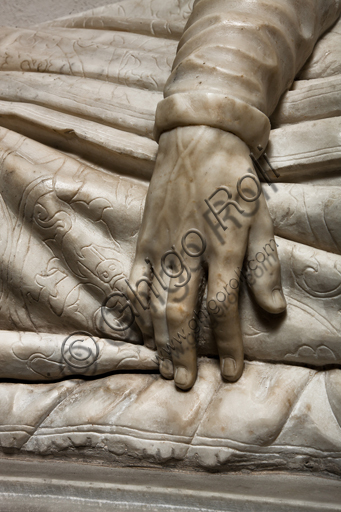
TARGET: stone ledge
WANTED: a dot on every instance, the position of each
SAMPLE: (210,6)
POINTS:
(55,485)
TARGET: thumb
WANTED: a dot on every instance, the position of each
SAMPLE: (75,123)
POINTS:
(263,265)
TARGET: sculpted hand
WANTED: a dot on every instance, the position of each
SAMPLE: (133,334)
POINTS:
(183,243)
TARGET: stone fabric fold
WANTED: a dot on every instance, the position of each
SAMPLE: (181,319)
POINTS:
(246,51)
(276,416)
(78,100)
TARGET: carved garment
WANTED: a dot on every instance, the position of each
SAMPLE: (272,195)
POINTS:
(236,58)
(77,102)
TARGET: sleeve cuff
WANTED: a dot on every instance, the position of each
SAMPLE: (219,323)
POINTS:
(216,110)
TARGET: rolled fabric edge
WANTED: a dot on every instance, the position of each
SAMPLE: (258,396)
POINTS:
(215,110)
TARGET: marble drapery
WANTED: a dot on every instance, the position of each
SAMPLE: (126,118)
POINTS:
(78,100)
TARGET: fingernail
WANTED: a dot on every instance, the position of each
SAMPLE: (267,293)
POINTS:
(166,368)
(279,300)
(228,367)
(182,377)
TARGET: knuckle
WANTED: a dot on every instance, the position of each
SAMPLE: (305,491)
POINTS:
(177,312)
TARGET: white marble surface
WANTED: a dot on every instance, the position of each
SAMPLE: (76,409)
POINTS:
(77,110)
(143,419)
(19,13)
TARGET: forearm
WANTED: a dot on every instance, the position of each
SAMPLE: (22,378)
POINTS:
(235,59)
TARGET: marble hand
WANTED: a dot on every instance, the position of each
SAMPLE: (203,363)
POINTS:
(204,215)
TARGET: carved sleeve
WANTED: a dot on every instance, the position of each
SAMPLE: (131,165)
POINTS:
(236,58)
